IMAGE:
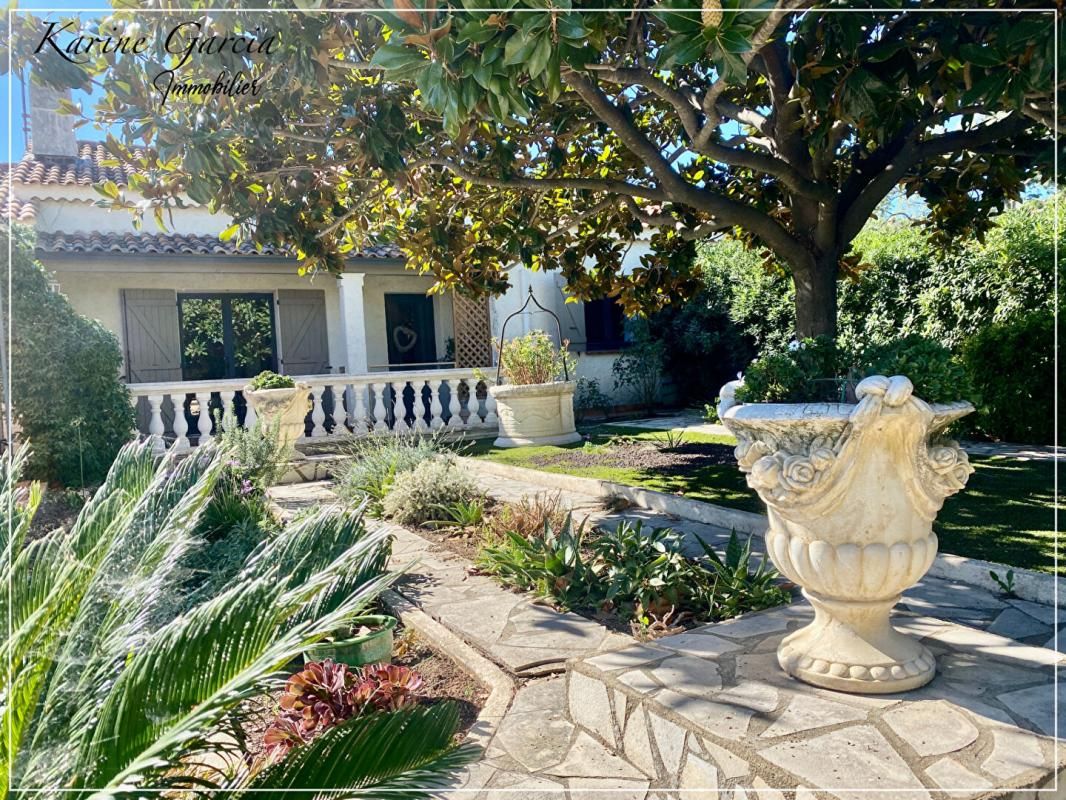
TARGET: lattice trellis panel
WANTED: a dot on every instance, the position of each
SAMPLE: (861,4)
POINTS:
(473,331)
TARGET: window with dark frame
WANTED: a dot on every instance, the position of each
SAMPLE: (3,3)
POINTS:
(605,324)
(226,335)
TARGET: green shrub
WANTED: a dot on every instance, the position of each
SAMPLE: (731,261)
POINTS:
(271,380)
(534,358)
(1018,409)
(254,455)
(107,687)
(809,371)
(68,398)
(416,496)
(375,461)
(550,565)
(642,575)
(938,376)
(819,370)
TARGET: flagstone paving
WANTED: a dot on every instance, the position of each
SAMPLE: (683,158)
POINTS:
(602,739)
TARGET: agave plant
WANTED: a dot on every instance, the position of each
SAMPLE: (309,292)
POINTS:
(111,692)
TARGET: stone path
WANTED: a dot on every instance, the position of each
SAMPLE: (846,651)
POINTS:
(711,709)
(697,424)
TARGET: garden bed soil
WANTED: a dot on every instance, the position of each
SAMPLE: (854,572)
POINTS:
(443,680)
(58,509)
(681,459)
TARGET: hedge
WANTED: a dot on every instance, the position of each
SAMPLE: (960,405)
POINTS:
(68,399)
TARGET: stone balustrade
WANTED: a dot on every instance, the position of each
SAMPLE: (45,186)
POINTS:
(339,406)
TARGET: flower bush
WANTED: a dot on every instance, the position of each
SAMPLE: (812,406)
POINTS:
(534,358)
(416,496)
(326,693)
(375,461)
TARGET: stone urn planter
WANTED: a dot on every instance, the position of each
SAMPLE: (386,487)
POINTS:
(287,408)
(852,492)
(537,413)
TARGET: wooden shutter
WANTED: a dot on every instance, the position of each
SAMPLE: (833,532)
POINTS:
(153,340)
(302,325)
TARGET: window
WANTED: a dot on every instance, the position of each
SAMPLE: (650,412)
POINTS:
(226,335)
(604,325)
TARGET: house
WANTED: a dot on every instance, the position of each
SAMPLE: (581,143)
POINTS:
(197,316)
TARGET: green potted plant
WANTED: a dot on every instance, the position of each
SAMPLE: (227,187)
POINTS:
(281,401)
(536,406)
(367,640)
(848,453)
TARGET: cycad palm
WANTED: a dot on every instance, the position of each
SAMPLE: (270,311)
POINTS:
(110,692)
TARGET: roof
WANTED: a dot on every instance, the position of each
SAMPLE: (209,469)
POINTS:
(84,170)
(18,210)
(182,244)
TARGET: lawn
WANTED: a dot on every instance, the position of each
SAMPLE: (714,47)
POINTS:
(1005,514)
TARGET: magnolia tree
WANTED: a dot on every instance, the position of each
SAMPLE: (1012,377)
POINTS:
(553,135)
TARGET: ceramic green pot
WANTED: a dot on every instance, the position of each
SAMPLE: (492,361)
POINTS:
(370,648)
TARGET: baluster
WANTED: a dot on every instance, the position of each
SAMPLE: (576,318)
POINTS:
(419,408)
(181,425)
(491,420)
(203,420)
(455,419)
(250,417)
(380,420)
(399,424)
(358,414)
(318,412)
(155,423)
(338,393)
(436,410)
(227,405)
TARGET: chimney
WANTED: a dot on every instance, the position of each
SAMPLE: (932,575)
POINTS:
(51,133)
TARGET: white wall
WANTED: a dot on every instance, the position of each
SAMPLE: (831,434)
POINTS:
(548,289)
(96,291)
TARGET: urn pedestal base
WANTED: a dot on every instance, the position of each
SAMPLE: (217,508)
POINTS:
(852,647)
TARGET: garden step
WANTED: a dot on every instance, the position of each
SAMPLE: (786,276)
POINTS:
(711,709)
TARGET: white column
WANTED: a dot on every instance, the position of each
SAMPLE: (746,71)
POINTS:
(181,425)
(455,419)
(353,322)
(155,423)
(435,408)
(380,425)
(203,422)
(338,391)
(491,420)
(318,412)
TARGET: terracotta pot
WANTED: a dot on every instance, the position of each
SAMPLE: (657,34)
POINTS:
(852,492)
(538,413)
(285,407)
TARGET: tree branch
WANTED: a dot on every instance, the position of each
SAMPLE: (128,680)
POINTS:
(912,153)
(623,188)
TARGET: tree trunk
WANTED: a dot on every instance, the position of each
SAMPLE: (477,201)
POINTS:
(816,298)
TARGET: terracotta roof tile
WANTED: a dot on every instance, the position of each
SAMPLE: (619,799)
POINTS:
(84,170)
(175,244)
(19,210)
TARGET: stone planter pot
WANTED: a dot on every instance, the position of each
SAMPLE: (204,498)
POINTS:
(538,413)
(285,407)
(851,493)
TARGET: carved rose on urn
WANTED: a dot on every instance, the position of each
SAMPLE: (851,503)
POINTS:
(852,492)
